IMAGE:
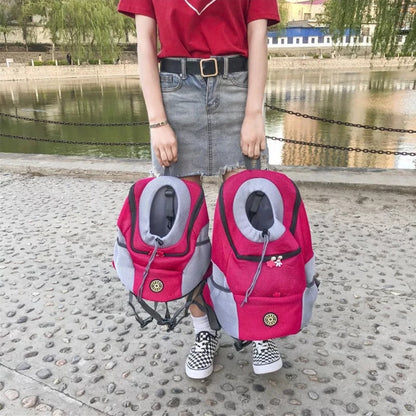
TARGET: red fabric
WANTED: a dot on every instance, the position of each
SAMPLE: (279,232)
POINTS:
(202,28)
(168,269)
(278,289)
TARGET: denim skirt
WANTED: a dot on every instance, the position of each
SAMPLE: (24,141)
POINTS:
(206,115)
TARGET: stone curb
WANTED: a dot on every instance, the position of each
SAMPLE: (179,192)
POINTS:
(119,169)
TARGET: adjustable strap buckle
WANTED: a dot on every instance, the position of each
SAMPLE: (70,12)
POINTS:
(208,67)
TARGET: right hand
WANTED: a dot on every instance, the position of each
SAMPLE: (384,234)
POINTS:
(164,144)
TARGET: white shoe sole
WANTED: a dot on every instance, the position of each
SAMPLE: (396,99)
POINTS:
(199,374)
(268,368)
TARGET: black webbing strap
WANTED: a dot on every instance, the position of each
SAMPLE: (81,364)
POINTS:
(169,320)
(142,322)
(252,163)
(239,344)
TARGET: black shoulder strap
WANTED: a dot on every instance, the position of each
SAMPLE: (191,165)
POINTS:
(169,320)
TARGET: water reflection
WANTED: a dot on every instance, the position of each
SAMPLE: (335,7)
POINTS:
(86,101)
(368,98)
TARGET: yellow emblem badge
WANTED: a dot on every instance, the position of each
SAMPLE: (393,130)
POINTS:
(156,285)
(270,319)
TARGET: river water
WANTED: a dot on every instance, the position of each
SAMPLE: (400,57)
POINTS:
(383,99)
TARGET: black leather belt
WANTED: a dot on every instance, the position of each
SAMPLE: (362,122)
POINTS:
(209,67)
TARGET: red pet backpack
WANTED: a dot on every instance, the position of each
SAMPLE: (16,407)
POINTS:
(163,248)
(262,284)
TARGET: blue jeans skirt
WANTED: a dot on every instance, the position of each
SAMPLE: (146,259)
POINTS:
(206,115)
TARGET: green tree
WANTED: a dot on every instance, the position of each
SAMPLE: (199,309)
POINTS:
(7,19)
(90,30)
(390,17)
(23,13)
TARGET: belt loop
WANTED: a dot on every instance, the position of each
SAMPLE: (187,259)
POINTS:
(225,74)
(183,73)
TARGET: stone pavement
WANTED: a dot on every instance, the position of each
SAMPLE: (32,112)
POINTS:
(69,344)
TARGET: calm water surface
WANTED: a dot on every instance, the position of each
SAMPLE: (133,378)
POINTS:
(385,99)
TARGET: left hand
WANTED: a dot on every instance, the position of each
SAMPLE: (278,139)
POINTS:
(253,137)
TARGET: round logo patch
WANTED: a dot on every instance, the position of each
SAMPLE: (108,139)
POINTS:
(156,286)
(270,319)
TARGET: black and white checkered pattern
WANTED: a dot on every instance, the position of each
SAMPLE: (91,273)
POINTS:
(266,357)
(200,361)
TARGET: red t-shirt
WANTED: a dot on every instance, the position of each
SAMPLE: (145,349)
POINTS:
(202,28)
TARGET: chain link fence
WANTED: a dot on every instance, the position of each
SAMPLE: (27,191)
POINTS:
(270,107)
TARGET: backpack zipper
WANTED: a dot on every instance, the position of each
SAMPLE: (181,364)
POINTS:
(281,256)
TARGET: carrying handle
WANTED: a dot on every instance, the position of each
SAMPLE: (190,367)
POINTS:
(252,164)
(166,171)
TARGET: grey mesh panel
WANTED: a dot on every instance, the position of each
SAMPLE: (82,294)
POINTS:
(198,264)
(223,301)
(309,298)
(310,294)
(310,270)
(123,262)
(239,209)
(162,211)
(145,204)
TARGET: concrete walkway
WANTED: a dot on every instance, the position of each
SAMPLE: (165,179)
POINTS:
(70,346)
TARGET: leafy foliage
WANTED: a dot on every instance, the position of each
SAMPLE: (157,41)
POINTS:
(7,18)
(89,29)
(390,17)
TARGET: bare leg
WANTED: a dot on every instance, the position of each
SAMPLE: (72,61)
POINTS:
(194,309)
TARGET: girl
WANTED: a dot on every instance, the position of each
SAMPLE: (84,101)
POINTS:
(205,107)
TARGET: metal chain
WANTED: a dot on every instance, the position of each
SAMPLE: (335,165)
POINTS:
(60,141)
(271,107)
(281,139)
(338,122)
(349,149)
(72,123)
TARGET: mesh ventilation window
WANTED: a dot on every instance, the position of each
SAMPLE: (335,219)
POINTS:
(163,211)
(259,211)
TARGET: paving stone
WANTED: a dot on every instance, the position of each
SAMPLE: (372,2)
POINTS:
(11,394)
(44,373)
(29,401)
(67,319)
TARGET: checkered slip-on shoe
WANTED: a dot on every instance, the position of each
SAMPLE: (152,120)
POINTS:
(200,361)
(266,357)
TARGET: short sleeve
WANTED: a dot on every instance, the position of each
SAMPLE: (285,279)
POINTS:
(264,9)
(133,7)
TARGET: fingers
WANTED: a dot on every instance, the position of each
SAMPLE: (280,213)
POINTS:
(253,137)
(253,149)
(165,146)
(166,155)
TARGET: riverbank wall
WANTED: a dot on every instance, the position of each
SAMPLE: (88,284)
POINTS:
(17,71)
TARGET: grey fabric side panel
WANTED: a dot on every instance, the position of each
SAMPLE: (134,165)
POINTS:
(198,264)
(310,271)
(224,303)
(145,204)
(309,298)
(239,209)
(311,292)
(122,262)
